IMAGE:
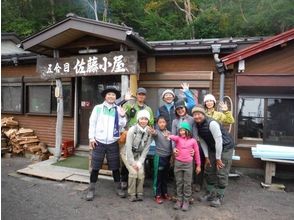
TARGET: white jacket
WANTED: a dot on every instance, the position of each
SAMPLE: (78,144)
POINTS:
(101,123)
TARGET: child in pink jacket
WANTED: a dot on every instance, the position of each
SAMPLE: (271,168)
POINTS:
(183,168)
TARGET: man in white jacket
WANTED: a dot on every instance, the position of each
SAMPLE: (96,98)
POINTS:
(106,121)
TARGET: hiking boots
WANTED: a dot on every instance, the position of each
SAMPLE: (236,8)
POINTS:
(132,198)
(140,197)
(158,200)
(185,206)
(118,189)
(178,205)
(217,201)
(208,196)
(91,192)
(124,189)
(167,197)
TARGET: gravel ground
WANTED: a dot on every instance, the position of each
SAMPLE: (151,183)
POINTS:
(25,197)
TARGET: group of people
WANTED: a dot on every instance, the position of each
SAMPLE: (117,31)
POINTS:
(188,137)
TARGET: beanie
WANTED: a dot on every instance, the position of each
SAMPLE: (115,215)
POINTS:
(198,108)
(180,104)
(143,114)
(167,91)
(185,125)
(209,97)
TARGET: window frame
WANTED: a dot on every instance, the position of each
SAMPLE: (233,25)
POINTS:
(51,85)
(14,81)
(265,117)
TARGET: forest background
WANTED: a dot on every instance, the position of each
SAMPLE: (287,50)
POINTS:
(157,19)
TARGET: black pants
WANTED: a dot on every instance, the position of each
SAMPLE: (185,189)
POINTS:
(161,170)
(124,173)
(94,176)
(198,179)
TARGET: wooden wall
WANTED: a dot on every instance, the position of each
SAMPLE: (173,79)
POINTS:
(44,127)
(17,71)
(278,60)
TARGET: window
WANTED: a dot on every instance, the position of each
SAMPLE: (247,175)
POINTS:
(270,120)
(156,100)
(11,98)
(41,99)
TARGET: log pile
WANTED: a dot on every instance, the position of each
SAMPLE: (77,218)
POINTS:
(23,140)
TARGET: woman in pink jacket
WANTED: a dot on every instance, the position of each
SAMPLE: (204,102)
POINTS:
(184,164)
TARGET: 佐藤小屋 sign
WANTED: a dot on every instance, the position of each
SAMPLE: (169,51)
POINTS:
(114,63)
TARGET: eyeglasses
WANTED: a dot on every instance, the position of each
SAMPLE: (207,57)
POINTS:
(179,108)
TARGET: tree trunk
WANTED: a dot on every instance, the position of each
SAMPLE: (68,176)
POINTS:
(52,12)
(105,12)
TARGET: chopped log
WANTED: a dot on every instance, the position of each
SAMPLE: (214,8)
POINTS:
(26,138)
(25,132)
(34,149)
(10,132)
(29,141)
(8,122)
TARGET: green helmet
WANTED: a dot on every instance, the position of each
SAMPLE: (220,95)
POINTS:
(185,125)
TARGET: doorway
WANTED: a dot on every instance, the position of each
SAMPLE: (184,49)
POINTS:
(90,88)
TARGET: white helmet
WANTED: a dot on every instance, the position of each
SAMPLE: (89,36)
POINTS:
(209,97)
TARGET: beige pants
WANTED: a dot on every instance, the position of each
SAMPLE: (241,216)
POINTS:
(136,178)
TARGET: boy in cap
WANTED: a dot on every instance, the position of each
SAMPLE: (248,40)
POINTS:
(217,145)
(106,121)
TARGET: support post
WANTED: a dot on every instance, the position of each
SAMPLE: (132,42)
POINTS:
(59,120)
(221,87)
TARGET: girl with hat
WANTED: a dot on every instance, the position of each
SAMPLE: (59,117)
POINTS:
(183,168)
(134,153)
(224,117)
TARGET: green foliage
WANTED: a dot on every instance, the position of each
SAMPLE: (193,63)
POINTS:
(159,19)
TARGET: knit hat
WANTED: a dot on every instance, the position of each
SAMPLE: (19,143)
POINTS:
(180,104)
(110,89)
(209,97)
(185,125)
(167,91)
(198,108)
(143,114)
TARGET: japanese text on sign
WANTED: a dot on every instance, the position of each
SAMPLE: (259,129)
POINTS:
(113,63)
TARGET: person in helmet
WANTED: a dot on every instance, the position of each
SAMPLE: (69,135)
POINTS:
(224,117)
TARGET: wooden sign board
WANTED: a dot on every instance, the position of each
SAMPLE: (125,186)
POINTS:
(114,63)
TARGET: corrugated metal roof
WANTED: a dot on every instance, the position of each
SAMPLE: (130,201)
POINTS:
(259,47)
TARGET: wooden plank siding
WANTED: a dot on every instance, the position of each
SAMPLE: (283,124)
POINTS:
(184,63)
(44,127)
(17,71)
(278,60)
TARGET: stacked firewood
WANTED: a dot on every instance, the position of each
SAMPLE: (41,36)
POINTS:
(23,140)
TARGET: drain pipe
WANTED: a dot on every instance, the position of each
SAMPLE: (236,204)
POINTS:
(220,68)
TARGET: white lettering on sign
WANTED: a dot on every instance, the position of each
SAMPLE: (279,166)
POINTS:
(66,67)
(79,67)
(118,65)
(92,65)
(113,63)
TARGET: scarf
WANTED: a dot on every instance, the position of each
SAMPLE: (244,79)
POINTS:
(116,125)
(116,119)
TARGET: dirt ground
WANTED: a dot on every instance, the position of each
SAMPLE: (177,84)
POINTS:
(25,197)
